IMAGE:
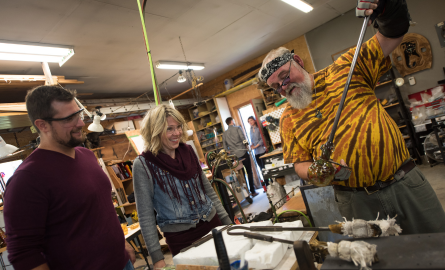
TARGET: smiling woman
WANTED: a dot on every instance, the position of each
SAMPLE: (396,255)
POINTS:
(168,179)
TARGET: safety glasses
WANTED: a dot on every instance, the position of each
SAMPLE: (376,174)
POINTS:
(69,121)
(285,82)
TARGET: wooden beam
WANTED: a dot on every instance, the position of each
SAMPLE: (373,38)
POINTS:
(236,88)
(186,91)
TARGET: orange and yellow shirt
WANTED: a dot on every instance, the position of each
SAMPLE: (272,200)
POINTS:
(367,138)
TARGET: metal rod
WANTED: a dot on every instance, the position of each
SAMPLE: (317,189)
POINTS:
(147,47)
(345,91)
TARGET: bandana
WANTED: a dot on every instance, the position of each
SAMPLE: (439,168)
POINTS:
(274,65)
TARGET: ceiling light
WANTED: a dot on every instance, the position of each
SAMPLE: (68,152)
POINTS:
(300,5)
(35,52)
(181,78)
(179,65)
(96,126)
(6,149)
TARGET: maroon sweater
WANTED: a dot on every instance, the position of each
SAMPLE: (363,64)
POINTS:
(58,211)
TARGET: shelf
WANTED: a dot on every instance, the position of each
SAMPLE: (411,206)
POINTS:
(402,126)
(209,139)
(112,135)
(128,179)
(205,152)
(128,204)
(210,144)
(392,105)
(383,83)
(219,123)
(203,115)
(406,137)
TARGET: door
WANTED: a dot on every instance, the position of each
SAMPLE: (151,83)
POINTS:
(258,107)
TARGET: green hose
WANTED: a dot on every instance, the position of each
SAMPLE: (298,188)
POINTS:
(276,219)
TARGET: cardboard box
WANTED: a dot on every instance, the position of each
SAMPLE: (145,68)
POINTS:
(137,123)
(121,127)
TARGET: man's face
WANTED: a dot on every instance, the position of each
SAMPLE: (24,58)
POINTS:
(67,132)
(298,90)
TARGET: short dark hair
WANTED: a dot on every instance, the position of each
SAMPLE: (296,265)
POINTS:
(229,120)
(253,118)
(39,101)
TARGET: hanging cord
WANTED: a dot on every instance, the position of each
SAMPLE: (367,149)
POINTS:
(183,52)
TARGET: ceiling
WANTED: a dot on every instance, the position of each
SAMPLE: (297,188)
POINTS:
(110,52)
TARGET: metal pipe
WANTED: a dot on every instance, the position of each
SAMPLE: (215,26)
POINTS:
(147,47)
(345,91)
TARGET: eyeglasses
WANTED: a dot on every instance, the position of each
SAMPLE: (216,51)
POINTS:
(171,130)
(69,121)
(285,82)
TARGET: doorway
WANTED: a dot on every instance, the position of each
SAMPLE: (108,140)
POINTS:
(244,113)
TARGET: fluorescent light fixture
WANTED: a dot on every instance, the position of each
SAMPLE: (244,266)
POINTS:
(179,65)
(300,5)
(35,52)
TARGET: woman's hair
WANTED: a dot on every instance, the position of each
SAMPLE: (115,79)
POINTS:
(154,125)
(253,118)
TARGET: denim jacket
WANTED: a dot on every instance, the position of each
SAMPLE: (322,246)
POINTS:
(172,215)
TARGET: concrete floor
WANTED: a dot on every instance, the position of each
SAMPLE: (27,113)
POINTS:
(435,175)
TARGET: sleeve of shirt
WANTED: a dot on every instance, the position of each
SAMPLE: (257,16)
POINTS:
(371,63)
(224,143)
(25,213)
(293,150)
(241,134)
(143,193)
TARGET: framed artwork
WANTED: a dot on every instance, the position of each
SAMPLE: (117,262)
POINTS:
(335,56)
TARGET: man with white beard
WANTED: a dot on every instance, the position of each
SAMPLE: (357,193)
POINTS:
(384,180)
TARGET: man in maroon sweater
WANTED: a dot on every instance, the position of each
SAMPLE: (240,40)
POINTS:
(58,210)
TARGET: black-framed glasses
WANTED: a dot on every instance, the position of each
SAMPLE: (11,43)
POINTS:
(285,82)
(70,120)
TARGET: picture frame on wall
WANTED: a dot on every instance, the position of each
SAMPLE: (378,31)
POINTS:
(336,55)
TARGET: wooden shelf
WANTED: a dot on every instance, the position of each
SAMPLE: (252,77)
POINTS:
(128,179)
(112,135)
(406,137)
(383,83)
(210,138)
(203,115)
(402,126)
(219,123)
(392,105)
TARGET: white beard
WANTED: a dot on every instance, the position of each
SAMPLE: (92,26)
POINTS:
(302,95)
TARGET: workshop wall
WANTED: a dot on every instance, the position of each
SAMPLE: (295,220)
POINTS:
(215,86)
(343,32)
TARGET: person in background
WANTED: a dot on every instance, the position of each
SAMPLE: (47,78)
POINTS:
(58,210)
(233,140)
(168,178)
(257,144)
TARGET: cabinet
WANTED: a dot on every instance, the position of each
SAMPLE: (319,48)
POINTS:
(123,187)
(208,122)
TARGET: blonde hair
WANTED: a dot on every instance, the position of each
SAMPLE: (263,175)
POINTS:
(154,126)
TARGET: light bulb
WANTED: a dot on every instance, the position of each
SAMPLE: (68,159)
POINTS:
(181,79)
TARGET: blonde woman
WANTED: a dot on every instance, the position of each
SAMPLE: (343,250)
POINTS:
(168,178)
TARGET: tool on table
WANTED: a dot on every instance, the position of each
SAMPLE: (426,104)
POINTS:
(221,252)
(203,240)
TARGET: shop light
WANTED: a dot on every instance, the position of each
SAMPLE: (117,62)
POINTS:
(179,65)
(35,52)
(305,7)
(6,149)
(181,77)
(95,126)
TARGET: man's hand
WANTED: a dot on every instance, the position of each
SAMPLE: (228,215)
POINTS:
(159,264)
(130,251)
(253,146)
(342,173)
(367,7)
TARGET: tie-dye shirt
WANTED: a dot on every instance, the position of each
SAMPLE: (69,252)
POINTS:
(367,138)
